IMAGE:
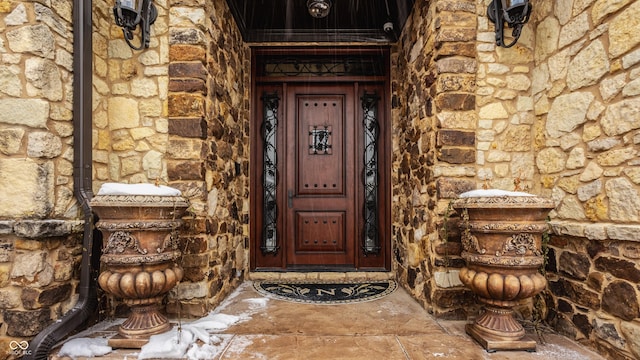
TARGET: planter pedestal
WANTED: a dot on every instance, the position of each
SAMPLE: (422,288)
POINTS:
(138,262)
(502,241)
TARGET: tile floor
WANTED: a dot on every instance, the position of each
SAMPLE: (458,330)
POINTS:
(394,327)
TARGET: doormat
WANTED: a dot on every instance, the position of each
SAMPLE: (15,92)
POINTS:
(325,292)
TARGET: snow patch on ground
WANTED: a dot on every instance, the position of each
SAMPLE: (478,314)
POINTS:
(178,343)
(231,299)
(555,351)
(84,347)
(257,303)
(193,340)
(214,322)
(171,344)
(205,351)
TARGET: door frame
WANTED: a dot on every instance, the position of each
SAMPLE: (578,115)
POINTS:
(274,84)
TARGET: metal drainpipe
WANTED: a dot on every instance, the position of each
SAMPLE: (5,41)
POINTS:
(82,163)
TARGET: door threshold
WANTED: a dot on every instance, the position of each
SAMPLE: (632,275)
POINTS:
(323,276)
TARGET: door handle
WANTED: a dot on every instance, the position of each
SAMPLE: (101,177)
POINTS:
(290,198)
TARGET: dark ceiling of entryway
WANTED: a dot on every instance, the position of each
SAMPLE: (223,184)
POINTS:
(348,20)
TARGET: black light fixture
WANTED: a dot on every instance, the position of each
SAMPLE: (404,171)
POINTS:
(131,13)
(319,8)
(515,13)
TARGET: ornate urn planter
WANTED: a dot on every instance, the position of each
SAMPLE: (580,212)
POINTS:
(502,240)
(138,262)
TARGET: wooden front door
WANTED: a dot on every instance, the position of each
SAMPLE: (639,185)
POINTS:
(320,176)
(320,189)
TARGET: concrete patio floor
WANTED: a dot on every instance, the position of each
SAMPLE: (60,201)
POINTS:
(394,327)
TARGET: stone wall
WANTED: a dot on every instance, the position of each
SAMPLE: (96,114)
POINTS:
(175,114)
(555,115)
(130,126)
(463,115)
(40,234)
(506,122)
(434,102)
(586,91)
(208,149)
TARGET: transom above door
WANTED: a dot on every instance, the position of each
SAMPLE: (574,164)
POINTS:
(319,155)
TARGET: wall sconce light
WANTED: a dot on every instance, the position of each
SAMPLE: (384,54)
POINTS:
(131,13)
(515,13)
(319,8)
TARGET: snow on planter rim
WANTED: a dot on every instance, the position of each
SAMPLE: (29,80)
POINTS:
(494,198)
(492,193)
(137,189)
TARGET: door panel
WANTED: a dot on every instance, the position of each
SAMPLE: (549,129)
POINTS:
(315,202)
(320,231)
(320,176)
(320,163)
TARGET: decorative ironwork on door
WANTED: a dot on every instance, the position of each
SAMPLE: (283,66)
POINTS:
(371,176)
(270,174)
(320,140)
(351,65)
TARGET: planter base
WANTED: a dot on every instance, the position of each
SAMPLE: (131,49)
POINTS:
(143,322)
(491,343)
(121,342)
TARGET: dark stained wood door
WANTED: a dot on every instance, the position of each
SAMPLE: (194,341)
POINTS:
(317,206)
(320,160)
(320,176)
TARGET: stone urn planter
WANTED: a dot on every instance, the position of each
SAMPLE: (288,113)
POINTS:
(138,263)
(502,240)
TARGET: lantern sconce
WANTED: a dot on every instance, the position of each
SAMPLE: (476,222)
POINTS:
(131,13)
(515,13)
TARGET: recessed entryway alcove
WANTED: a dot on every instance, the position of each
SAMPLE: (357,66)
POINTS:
(320,154)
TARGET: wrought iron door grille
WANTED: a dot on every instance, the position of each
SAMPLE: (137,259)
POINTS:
(320,140)
(321,66)
(270,174)
(371,176)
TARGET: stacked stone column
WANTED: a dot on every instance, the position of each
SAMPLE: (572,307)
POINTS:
(434,114)
(208,151)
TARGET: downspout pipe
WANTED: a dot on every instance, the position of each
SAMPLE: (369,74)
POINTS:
(87,303)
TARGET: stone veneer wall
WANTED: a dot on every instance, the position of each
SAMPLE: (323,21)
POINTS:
(586,88)
(434,101)
(130,126)
(176,114)
(40,230)
(463,120)
(556,114)
(208,149)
